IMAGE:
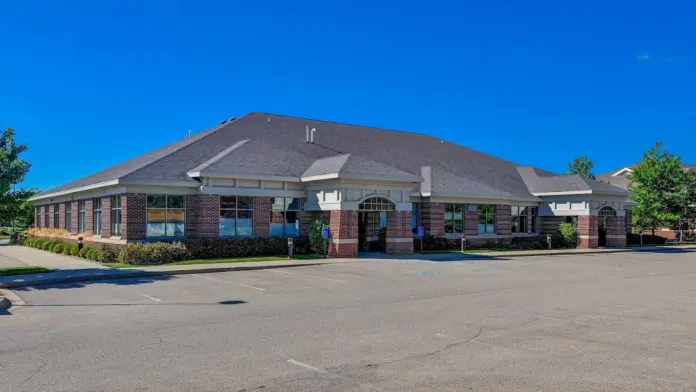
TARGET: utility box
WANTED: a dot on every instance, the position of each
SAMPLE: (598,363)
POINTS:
(291,246)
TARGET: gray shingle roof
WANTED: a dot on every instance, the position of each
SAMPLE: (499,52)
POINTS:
(540,182)
(622,181)
(260,143)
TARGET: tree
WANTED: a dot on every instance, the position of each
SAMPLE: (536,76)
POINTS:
(686,202)
(12,171)
(656,183)
(581,166)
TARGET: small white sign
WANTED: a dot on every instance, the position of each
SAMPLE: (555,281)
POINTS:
(472,208)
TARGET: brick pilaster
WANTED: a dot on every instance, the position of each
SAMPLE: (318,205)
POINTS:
(503,219)
(106,216)
(343,233)
(89,223)
(73,217)
(433,219)
(203,216)
(61,216)
(262,216)
(133,216)
(399,232)
(588,231)
(629,221)
(470,222)
(51,219)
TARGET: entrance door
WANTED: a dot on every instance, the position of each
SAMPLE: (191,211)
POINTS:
(604,214)
(372,223)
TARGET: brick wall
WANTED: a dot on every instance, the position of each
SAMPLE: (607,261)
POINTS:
(89,222)
(616,231)
(588,231)
(106,216)
(51,219)
(433,219)
(262,216)
(343,233)
(503,219)
(73,217)
(399,232)
(470,222)
(629,221)
(203,216)
(133,216)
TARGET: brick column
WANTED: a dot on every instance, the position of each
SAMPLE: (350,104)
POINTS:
(51,219)
(36,217)
(73,217)
(588,231)
(616,231)
(61,215)
(133,216)
(503,219)
(262,216)
(470,222)
(203,216)
(343,233)
(89,222)
(399,232)
(106,216)
(433,219)
(629,221)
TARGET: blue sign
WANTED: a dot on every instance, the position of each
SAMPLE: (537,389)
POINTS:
(421,231)
(324,232)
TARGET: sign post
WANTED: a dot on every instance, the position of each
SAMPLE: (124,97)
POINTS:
(420,235)
(325,237)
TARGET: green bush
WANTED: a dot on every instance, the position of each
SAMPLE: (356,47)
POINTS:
(66,249)
(209,248)
(648,239)
(74,250)
(569,234)
(83,251)
(47,245)
(132,253)
(58,248)
(162,252)
(5,231)
(314,234)
(108,254)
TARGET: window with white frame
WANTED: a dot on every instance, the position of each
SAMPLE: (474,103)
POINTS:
(486,218)
(454,218)
(166,215)
(285,216)
(68,216)
(96,215)
(522,218)
(236,216)
(115,215)
(81,216)
(56,216)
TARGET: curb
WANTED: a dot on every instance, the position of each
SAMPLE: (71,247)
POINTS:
(138,274)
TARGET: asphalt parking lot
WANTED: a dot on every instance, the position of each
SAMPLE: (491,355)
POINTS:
(593,322)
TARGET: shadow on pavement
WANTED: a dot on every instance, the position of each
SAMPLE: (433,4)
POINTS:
(82,278)
(438,257)
(666,249)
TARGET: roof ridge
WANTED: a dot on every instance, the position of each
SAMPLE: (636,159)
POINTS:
(219,156)
(212,130)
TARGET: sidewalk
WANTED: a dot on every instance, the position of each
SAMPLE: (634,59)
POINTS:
(71,269)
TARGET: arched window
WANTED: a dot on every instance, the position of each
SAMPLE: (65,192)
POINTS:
(377,204)
(607,211)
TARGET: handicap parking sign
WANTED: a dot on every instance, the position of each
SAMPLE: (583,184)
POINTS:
(324,232)
(421,231)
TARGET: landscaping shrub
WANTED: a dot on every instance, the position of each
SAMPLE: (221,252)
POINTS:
(569,234)
(108,254)
(74,250)
(58,248)
(237,247)
(66,249)
(83,251)
(314,236)
(163,252)
(132,253)
(47,245)
(6,231)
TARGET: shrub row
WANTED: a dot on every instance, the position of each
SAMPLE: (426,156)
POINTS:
(102,253)
(634,239)
(519,243)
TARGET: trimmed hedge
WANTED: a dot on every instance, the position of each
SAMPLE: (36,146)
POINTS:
(516,243)
(236,247)
(634,239)
(57,248)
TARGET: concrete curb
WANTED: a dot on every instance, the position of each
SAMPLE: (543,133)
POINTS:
(139,273)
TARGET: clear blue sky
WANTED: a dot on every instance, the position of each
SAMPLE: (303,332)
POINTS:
(87,84)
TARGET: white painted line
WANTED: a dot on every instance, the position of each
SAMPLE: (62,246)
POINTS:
(148,297)
(304,365)
(441,335)
(309,276)
(227,281)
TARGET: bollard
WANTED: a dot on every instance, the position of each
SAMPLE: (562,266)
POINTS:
(641,239)
(291,247)
(548,239)
(463,242)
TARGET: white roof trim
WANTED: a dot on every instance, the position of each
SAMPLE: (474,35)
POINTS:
(622,171)
(358,176)
(586,192)
(219,156)
(73,190)
(267,177)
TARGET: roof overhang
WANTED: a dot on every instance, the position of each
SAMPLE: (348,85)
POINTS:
(111,183)
(622,171)
(361,176)
(242,176)
(564,193)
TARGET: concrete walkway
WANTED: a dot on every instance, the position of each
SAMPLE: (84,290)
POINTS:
(72,269)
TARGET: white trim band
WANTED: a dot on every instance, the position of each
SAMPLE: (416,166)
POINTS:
(400,239)
(339,241)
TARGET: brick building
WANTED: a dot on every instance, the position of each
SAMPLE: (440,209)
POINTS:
(271,175)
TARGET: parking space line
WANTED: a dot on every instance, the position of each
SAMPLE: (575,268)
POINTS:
(308,276)
(304,365)
(229,282)
(149,297)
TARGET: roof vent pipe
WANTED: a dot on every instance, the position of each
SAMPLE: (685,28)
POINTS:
(307,135)
(311,136)
(189,133)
